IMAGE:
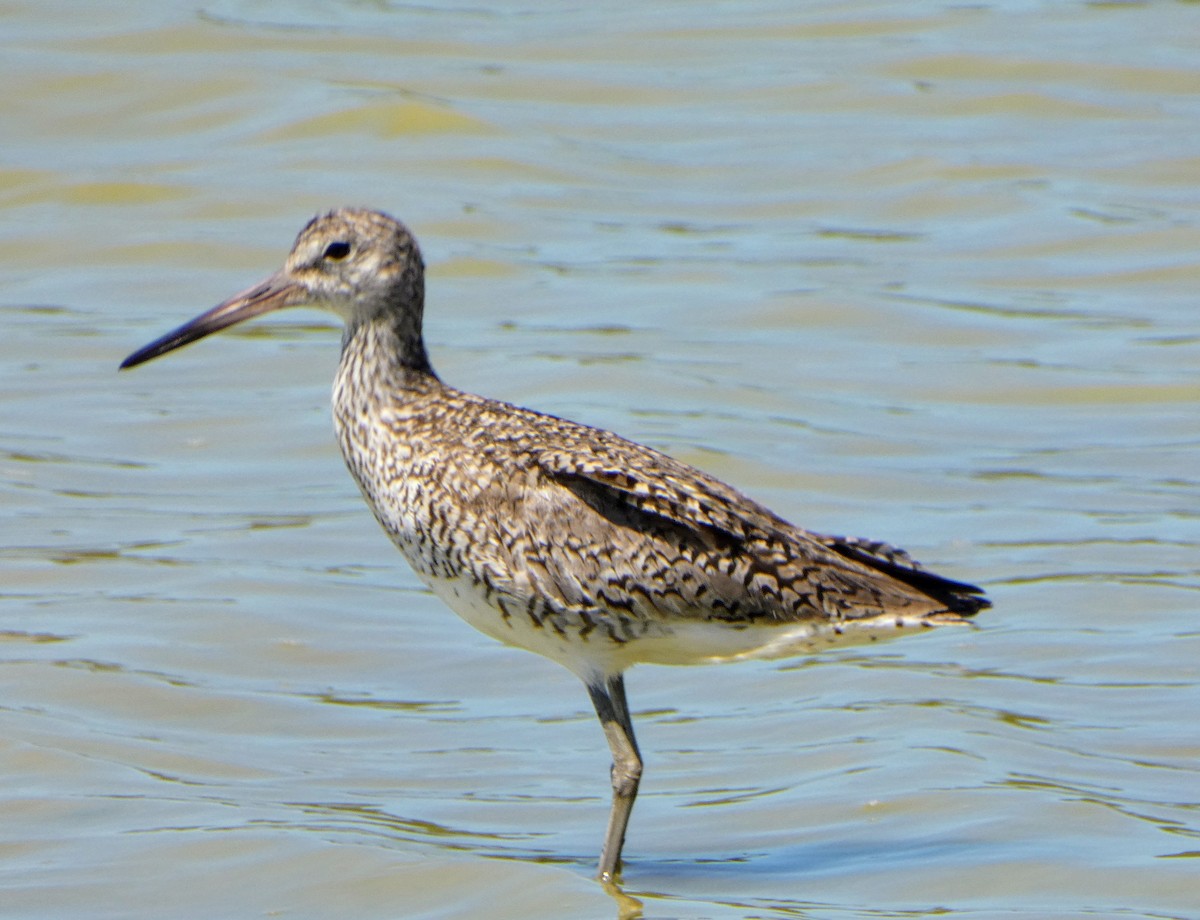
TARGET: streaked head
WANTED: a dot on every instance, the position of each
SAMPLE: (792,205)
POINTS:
(352,261)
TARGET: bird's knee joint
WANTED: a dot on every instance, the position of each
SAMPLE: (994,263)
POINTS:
(625,777)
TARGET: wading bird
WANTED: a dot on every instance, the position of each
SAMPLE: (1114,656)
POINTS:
(562,539)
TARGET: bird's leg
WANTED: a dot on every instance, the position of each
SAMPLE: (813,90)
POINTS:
(609,699)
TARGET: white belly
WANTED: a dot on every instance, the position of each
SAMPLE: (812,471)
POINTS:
(676,641)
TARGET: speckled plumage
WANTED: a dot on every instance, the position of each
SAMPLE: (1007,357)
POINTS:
(560,538)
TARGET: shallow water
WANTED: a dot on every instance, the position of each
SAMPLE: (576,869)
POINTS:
(920,272)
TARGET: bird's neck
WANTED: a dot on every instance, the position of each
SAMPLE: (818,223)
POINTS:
(385,352)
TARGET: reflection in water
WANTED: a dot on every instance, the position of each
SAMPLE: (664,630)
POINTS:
(628,907)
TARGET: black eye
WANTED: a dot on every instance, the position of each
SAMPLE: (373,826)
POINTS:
(337,251)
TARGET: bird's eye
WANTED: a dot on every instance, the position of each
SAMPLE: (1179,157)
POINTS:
(337,251)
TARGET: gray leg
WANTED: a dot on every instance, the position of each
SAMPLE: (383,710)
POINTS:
(613,710)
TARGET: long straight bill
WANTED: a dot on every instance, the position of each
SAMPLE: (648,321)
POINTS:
(275,293)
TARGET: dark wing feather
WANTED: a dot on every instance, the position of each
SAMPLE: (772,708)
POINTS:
(677,492)
(959,597)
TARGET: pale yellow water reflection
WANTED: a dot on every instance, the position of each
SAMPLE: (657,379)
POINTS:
(921,272)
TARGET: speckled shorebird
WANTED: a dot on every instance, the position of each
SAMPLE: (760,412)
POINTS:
(562,539)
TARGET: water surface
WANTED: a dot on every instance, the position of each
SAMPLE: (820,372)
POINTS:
(923,272)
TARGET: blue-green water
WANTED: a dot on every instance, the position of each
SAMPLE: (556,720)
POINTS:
(920,272)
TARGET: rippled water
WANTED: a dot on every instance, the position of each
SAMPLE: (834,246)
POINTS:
(924,272)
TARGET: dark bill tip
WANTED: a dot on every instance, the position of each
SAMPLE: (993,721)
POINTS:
(273,294)
(169,342)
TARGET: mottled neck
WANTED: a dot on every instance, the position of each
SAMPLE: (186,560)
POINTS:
(385,351)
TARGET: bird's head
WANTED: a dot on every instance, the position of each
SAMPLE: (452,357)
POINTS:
(355,262)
